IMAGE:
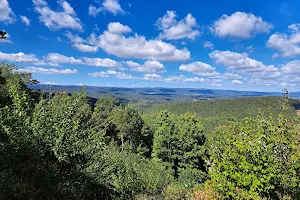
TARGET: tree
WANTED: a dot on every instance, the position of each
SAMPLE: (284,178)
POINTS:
(179,143)
(128,124)
(60,124)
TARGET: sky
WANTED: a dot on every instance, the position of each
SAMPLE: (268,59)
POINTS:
(239,45)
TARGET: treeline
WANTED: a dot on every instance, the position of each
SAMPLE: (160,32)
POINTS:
(56,146)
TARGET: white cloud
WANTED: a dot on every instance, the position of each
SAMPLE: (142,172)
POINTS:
(6,13)
(81,44)
(208,44)
(250,49)
(291,71)
(50,83)
(287,44)
(18,57)
(25,20)
(184,79)
(93,10)
(212,82)
(241,63)
(194,80)
(232,76)
(101,62)
(55,20)
(111,6)
(118,28)
(99,75)
(120,75)
(138,47)
(85,47)
(174,78)
(200,68)
(40,70)
(152,77)
(292,68)
(240,25)
(148,66)
(74,37)
(113,41)
(175,30)
(56,58)
(237,82)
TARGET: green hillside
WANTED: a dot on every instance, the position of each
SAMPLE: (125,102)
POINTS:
(216,112)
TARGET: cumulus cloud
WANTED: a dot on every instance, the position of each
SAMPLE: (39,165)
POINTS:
(288,45)
(174,78)
(113,41)
(66,18)
(148,66)
(81,44)
(118,28)
(99,75)
(240,62)
(153,77)
(184,79)
(18,57)
(139,47)
(175,30)
(56,58)
(40,70)
(25,20)
(212,82)
(108,73)
(194,80)
(237,82)
(232,76)
(208,44)
(292,67)
(120,75)
(240,25)
(291,71)
(85,47)
(101,62)
(112,6)
(200,68)
(6,14)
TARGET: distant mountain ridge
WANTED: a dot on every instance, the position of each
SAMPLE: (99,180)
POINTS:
(159,94)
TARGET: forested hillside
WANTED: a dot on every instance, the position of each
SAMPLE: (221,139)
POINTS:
(58,146)
(216,112)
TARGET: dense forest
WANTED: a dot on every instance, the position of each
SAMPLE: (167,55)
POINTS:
(59,146)
(213,113)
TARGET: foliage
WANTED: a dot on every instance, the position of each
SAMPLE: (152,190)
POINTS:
(60,124)
(58,146)
(128,125)
(214,113)
(256,157)
(126,173)
(178,142)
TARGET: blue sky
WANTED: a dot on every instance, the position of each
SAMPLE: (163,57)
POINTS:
(241,45)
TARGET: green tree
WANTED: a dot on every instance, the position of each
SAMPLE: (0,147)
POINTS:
(60,124)
(179,143)
(128,125)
